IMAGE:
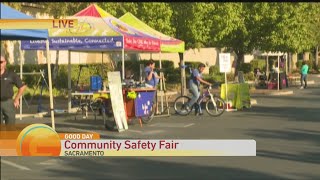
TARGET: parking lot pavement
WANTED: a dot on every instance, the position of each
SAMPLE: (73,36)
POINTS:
(286,129)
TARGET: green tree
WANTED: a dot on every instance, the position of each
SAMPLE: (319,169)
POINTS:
(292,32)
(243,27)
(63,9)
(156,15)
(229,29)
(118,9)
(182,20)
(14,5)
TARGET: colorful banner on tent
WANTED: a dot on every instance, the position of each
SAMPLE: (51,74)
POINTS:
(74,43)
(141,44)
(133,38)
(168,44)
(97,30)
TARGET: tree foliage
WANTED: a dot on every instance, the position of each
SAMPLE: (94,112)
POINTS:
(237,27)
(118,9)
(181,20)
(63,9)
(156,15)
(16,6)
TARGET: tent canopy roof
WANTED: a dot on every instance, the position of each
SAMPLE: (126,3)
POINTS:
(168,44)
(21,34)
(260,53)
(93,11)
(97,30)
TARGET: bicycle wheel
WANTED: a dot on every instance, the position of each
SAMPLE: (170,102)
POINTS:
(147,119)
(180,105)
(215,108)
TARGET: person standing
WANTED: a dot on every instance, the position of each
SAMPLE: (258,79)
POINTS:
(304,74)
(151,81)
(152,78)
(8,105)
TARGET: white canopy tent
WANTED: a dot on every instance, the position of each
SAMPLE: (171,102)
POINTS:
(274,54)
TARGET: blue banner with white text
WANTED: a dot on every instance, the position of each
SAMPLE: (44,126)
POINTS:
(74,43)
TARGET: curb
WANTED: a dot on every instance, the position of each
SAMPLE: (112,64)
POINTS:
(40,115)
(253,101)
(276,93)
(281,93)
(24,115)
(308,82)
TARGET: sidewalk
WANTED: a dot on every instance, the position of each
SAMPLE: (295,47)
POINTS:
(313,81)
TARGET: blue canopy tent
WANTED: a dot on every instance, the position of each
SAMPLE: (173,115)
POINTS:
(21,34)
(26,34)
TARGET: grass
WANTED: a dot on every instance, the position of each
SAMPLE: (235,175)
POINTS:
(33,91)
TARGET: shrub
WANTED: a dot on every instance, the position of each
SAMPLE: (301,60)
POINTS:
(258,63)
(192,64)
(62,76)
(214,70)
(245,68)
(249,76)
(299,64)
(173,75)
(134,66)
(311,64)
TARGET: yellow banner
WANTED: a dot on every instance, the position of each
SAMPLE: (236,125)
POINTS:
(38,23)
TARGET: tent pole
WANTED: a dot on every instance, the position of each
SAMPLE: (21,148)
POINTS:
(21,72)
(123,73)
(286,61)
(267,63)
(69,81)
(102,65)
(50,84)
(317,56)
(161,81)
(278,73)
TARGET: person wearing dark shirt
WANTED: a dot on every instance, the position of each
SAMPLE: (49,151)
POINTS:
(8,105)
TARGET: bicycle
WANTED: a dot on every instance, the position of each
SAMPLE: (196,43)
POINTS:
(215,106)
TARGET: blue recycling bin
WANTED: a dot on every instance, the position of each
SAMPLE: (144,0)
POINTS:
(95,83)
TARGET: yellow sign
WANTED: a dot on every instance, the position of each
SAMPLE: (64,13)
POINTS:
(38,23)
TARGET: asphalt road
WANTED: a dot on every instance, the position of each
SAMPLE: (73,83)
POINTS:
(286,129)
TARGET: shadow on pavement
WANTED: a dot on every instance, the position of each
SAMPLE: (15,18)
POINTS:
(307,157)
(293,97)
(305,114)
(142,168)
(291,135)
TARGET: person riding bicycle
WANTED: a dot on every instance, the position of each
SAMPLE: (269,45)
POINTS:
(194,85)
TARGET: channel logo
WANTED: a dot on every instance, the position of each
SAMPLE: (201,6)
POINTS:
(38,140)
